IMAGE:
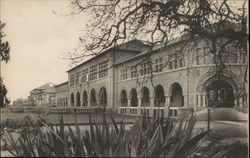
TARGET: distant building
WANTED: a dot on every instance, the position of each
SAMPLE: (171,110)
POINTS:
(44,95)
(21,102)
(62,94)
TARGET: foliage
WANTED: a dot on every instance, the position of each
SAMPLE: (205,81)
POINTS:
(148,137)
(117,21)
(4,46)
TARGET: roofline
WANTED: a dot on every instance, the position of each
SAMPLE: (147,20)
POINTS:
(66,82)
(153,51)
(106,51)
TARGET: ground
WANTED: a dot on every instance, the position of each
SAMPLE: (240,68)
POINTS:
(228,125)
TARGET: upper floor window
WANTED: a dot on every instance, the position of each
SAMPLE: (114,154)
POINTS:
(145,69)
(133,72)
(103,69)
(158,65)
(93,72)
(172,61)
(84,75)
(78,75)
(72,80)
(124,74)
(199,57)
(207,57)
(180,56)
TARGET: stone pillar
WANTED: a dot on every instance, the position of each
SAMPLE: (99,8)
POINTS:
(199,100)
(129,102)
(235,102)
(241,102)
(185,100)
(151,110)
(139,105)
(204,99)
(166,106)
(166,100)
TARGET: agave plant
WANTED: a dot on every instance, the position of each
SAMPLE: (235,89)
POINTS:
(158,137)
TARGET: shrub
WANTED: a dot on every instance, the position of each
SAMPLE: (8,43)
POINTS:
(148,137)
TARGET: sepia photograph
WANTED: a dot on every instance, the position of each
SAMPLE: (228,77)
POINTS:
(124,78)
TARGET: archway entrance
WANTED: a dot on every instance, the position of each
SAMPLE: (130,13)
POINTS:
(103,96)
(84,98)
(145,97)
(134,99)
(176,98)
(159,96)
(78,99)
(92,97)
(72,100)
(220,94)
(124,99)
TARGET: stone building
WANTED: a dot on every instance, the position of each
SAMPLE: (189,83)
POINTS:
(62,94)
(43,95)
(173,79)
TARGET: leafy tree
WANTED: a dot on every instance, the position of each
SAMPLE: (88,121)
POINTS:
(4,46)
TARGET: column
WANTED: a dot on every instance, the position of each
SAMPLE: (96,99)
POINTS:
(235,102)
(151,110)
(199,100)
(129,105)
(185,100)
(167,106)
(139,105)
(241,102)
(167,101)
(204,99)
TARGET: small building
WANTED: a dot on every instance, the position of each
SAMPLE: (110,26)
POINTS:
(44,95)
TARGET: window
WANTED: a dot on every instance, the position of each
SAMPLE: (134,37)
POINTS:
(234,54)
(93,72)
(78,74)
(84,75)
(179,55)
(158,65)
(243,57)
(124,75)
(103,69)
(198,56)
(133,72)
(206,55)
(173,61)
(72,80)
(145,69)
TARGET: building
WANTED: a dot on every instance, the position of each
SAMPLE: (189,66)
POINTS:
(173,79)
(62,94)
(21,102)
(44,95)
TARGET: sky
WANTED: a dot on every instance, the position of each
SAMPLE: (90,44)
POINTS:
(39,33)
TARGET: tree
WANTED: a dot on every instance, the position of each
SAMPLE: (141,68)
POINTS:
(218,22)
(4,46)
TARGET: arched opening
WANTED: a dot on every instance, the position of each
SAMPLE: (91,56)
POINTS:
(220,94)
(176,98)
(124,99)
(103,96)
(134,99)
(145,97)
(84,99)
(78,99)
(159,96)
(72,100)
(93,98)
